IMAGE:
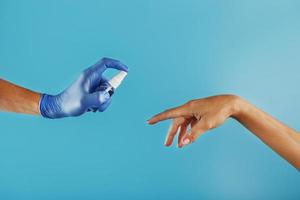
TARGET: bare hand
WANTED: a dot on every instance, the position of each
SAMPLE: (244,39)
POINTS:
(199,115)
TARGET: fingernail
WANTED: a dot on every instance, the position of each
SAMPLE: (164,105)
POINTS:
(186,141)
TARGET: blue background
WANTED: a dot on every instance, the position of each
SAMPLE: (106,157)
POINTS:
(177,50)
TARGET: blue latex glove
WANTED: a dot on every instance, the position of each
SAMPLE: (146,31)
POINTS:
(87,93)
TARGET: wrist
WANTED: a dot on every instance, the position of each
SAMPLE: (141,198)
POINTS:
(237,106)
(42,105)
(48,106)
(32,104)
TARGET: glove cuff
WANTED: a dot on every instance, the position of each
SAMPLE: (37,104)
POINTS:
(45,106)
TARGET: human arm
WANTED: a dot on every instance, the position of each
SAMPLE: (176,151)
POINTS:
(86,93)
(14,98)
(208,113)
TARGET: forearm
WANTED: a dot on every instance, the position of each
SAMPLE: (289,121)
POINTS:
(14,98)
(282,139)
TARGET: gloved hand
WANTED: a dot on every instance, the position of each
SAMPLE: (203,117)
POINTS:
(87,93)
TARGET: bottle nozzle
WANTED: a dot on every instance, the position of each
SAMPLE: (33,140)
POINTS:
(117,79)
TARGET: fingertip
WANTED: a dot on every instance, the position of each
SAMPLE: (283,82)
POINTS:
(113,63)
(185,140)
(123,67)
(126,68)
(189,139)
(156,118)
(151,121)
(168,143)
(104,105)
(106,96)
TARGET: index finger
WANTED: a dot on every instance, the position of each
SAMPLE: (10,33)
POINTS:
(168,114)
(105,63)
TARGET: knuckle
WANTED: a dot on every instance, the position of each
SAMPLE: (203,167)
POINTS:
(86,71)
(167,110)
(191,104)
(176,122)
(104,59)
(179,121)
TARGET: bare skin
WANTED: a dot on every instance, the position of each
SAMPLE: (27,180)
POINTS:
(202,115)
(14,98)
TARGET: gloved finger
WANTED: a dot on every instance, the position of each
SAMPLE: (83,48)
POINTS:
(105,105)
(103,85)
(115,64)
(94,73)
(103,80)
(93,109)
(96,99)
(105,63)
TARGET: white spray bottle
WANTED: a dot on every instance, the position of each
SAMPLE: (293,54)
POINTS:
(115,82)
